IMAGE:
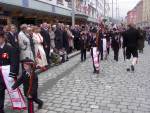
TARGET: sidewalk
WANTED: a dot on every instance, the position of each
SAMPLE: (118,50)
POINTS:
(53,65)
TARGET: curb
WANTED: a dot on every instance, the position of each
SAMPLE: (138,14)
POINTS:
(39,71)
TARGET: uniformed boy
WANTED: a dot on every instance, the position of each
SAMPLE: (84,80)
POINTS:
(29,79)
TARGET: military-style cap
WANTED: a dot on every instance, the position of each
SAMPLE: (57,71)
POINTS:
(27,61)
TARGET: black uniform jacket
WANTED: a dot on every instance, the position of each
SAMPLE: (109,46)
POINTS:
(116,42)
(131,37)
(13,40)
(7,57)
(30,83)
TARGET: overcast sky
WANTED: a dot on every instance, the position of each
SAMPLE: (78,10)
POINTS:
(124,6)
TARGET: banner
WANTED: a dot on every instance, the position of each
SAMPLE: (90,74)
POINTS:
(16,97)
(105,47)
(96,58)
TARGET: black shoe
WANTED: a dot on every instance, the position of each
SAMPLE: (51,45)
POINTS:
(128,69)
(94,71)
(132,68)
(40,105)
(97,72)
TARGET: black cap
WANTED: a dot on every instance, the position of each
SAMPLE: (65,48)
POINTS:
(27,61)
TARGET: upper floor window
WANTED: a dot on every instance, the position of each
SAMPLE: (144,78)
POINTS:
(69,4)
(60,2)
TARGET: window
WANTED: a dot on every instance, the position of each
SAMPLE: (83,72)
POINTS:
(69,4)
(60,2)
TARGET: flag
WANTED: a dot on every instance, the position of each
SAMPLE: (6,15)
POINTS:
(16,96)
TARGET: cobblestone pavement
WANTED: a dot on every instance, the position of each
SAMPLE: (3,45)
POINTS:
(73,88)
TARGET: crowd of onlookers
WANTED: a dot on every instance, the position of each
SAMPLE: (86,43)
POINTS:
(45,43)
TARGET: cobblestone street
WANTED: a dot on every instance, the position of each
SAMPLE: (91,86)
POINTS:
(73,88)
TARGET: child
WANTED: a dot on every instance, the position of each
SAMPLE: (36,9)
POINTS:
(30,82)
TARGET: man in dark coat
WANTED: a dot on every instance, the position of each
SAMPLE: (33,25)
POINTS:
(65,40)
(46,40)
(7,58)
(12,38)
(76,34)
(83,45)
(130,42)
(58,37)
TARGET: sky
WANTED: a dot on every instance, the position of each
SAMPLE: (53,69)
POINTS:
(124,6)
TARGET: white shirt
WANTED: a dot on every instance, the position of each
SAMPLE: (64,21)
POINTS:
(2,46)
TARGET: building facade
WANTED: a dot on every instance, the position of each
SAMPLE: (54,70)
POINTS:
(135,16)
(37,11)
(131,17)
(139,13)
(146,13)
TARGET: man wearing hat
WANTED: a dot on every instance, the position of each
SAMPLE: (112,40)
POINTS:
(29,79)
(7,58)
(116,43)
(83,45)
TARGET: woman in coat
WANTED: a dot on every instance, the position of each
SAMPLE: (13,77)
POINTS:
(40,55)
(52,37)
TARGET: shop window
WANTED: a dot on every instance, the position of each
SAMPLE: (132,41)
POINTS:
(60,2)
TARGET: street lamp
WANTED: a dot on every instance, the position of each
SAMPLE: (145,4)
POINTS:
(73,13)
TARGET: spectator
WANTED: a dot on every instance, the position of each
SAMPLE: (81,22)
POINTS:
(24,44)
(52,36)
(12,38)
(40,55)
(46,40)
(58,37)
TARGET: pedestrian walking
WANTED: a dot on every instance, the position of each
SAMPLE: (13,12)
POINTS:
(83,45)
(116,43)
(130,42)
(94,43)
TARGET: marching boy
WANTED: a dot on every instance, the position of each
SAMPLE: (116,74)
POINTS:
(30,83)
